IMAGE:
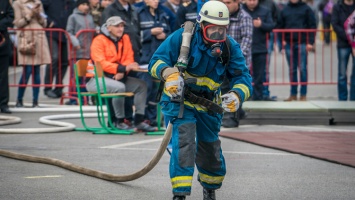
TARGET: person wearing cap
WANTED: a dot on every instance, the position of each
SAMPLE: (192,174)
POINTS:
(195,139)
(113,50)
(125,10)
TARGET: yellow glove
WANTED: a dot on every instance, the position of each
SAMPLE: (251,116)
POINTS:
(174,84)
(230,102)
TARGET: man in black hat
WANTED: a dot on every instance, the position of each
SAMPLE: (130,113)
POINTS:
(6,18)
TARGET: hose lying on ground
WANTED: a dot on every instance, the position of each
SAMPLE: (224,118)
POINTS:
(47,120)
(7,120)
(82,170)
(98,174)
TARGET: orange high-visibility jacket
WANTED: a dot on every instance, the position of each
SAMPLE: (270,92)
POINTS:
(112,58)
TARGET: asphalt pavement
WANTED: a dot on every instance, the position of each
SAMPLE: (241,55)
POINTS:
(253,172)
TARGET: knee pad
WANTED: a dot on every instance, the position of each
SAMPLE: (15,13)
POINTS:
(187,144)
(208,155)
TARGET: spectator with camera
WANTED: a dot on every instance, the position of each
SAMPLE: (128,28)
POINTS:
(32,46)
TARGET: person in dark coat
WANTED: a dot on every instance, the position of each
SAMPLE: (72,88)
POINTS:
(57,13)
(129,15)
(272,6)
(341,12)
(263,25)
(6,19)
(297,15)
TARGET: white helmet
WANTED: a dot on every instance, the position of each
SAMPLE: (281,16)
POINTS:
(214,12)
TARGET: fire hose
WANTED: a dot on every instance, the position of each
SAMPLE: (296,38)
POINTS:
(64,126)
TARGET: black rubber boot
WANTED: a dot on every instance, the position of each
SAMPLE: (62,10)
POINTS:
(209,194)
(179,197)
(19,104)
(229,120)
(35,104)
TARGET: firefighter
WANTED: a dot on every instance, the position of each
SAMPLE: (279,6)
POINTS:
(195,137)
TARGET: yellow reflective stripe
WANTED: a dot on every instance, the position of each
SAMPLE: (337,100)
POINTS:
(180,178)
(198,107)
(181,181)
(155,67)
(211,179)
(205,81)
(244,88)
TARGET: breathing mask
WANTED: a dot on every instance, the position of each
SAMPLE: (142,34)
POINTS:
(215,35)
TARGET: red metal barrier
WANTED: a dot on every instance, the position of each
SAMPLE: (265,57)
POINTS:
(86,36)
(321,61)
(13,81)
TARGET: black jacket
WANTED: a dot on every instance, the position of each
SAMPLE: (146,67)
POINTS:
(6,19)
(184,14)
(260,34)
(132,24)
(297,16)
(58,12)
(340,13)
(271,5)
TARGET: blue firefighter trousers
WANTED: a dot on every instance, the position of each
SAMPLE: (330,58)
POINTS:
(194,141)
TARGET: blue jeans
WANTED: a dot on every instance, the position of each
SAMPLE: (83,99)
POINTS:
(27,71)
(272,41)
(270,49)
(343,59)
(297,58)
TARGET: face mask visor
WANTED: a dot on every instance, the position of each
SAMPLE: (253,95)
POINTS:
(215,33)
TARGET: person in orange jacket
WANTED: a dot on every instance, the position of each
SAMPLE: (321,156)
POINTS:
(113,50)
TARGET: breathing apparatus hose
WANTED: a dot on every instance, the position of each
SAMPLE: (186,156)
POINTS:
(76,168)
(185,44)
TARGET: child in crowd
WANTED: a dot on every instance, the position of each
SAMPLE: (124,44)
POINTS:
(80,21)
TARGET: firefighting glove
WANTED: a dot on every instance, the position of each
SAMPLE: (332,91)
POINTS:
(174,84)
(230,102)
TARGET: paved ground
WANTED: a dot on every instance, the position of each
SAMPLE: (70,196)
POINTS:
(333,146)
(254,172)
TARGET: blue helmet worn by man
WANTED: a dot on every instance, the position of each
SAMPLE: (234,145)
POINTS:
(195,134)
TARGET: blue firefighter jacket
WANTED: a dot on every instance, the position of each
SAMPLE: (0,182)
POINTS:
(208,69)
